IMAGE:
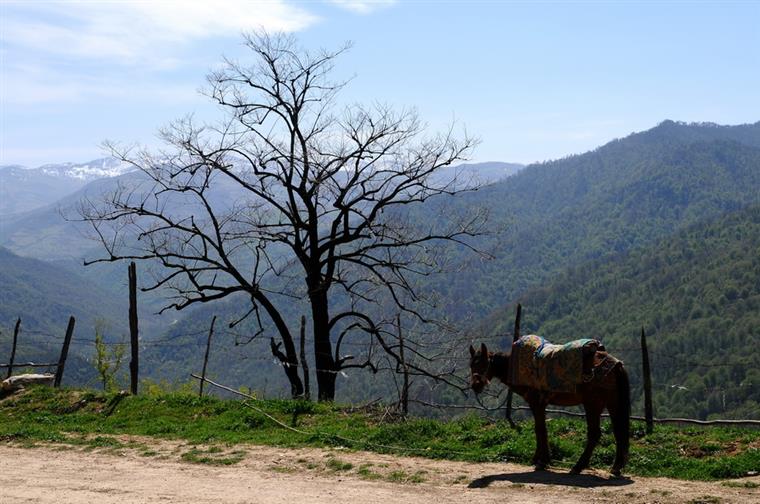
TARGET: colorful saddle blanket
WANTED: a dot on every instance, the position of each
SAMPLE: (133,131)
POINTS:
(536,363)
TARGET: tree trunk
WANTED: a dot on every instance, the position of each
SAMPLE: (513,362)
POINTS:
(289,359)
(323,356)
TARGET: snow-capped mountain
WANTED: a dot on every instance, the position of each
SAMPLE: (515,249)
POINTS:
(100,168)
(23,189)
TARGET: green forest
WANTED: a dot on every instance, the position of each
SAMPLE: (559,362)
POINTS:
(697,296)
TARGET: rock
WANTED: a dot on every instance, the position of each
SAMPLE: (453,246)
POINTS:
(18,382)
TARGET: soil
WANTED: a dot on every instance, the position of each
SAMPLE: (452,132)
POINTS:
(143,470)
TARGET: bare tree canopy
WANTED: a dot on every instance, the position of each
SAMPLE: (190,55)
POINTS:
(291,196)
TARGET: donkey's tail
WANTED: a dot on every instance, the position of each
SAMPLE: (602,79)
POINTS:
(622,425)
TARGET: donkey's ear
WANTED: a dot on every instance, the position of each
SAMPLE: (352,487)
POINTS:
(483,349)
(472,351)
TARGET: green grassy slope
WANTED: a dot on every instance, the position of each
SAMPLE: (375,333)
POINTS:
(86,418)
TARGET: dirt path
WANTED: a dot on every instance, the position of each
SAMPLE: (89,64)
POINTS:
(150,471)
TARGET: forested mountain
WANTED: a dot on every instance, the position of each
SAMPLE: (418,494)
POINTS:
(44,296)
(628,195)
(625,194)
(697,294)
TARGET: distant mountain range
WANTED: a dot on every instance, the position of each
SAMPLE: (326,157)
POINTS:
(50,193)
(23,189)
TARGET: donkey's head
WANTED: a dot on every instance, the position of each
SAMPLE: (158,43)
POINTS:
(480,364)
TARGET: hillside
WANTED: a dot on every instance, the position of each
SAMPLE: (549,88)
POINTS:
(594,207)
(547,218)
(698,296)
(44,297)
(22,190)
(623,195)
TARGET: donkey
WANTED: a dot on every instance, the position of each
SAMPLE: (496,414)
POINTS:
(609,390)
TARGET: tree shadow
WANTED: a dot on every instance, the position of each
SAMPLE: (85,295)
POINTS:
(551,478)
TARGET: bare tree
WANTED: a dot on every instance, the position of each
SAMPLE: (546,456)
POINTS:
(291,197)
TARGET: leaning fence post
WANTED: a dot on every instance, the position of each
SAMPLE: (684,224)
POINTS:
(205,358)
(648,413)
(133,331)
(64,353)
(13,348)
(515,337)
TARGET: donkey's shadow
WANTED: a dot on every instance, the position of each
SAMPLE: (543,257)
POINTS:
(551,478)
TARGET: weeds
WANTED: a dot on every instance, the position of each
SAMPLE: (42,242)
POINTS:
(212,456)
(365,472)
(335,464)
(741,484)
(400,476)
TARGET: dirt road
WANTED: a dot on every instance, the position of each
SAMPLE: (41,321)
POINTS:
(148,471)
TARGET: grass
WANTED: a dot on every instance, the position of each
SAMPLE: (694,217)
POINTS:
(400,476)
(44,415)
(335,464)
(365,471)
(741,484)
(212,456)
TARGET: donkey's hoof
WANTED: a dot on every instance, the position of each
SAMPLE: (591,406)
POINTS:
(616,472)
(540,466)
(576,470)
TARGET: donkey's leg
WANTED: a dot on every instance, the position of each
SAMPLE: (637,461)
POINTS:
(534,459)
(619,406)
(593,409)
(541,458)
(620,429)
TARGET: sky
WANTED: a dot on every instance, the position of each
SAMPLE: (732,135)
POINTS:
(533,80)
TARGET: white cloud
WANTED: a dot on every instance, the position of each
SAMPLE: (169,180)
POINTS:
(363,6)
(136,31)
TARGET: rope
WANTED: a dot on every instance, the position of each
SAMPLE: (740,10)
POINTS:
(319,434)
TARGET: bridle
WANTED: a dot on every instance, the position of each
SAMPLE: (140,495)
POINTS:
(485,376)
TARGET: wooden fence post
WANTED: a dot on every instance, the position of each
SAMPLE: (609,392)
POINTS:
(515,337)
(648,412)
(64,353)
(205,357)
(133,331)
(304,362)
(405,369)
(13,348)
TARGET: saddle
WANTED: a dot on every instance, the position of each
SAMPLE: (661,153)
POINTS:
(537,363)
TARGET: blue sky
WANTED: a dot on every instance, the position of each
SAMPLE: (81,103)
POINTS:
(533,80)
